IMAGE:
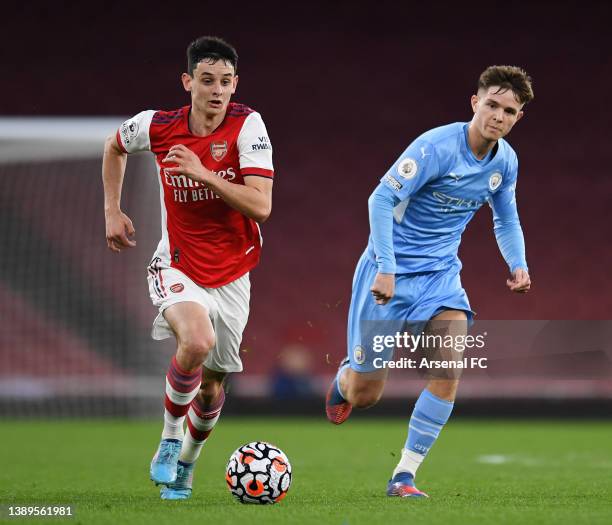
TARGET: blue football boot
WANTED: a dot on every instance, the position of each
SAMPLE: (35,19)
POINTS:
(163,464)
(402,485)
(181,488)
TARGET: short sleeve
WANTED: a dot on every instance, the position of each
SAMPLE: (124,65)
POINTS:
(255,148)
(417,165)
(133,134)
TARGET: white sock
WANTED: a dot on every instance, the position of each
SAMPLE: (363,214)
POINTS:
(173,426)
(192,447)
(190,452)
(410,462)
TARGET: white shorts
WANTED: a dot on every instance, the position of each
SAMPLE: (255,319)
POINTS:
(227,306)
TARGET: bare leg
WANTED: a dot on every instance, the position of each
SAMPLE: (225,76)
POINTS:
(362,389)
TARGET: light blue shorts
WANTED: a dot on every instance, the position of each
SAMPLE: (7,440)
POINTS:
(418,297)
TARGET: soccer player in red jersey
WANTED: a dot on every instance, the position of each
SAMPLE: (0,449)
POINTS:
(214,163)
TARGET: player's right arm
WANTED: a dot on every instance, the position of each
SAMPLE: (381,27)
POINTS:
(118,225)
(132,136)
(417,165)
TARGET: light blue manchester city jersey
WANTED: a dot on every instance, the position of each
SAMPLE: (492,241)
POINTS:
(435,187)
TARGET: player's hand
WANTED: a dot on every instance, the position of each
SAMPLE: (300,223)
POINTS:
(383,288)
(119,228)
(187,163)
(520,281)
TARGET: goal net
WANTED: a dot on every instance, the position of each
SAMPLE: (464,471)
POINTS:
(75,317)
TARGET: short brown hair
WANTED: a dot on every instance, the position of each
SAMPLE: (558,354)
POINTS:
(508,77)
(212,48)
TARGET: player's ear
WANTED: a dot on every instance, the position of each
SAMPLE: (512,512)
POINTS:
(234,84)
(519,116)
(474,102)
(186,80)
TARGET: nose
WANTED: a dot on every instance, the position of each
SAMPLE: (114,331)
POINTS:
(217,88)
(499,114)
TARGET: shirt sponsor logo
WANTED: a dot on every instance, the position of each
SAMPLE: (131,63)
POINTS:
(393,182)
(177,288)
(455,204)
(495,180)
(182,181)
(218,149)
(186,190)
(263,143)
(129,130)
(407,168)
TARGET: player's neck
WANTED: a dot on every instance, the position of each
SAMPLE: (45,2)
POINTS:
(478,144)
(202,124)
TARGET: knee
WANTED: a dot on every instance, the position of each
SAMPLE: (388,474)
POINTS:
(196,348)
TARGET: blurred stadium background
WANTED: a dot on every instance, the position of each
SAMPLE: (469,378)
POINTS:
(343,89)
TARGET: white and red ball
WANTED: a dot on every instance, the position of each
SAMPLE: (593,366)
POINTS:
(258,472)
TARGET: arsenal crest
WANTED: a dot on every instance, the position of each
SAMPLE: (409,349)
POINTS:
(218,150)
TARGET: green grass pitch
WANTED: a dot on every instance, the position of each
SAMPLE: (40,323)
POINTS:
(515,472)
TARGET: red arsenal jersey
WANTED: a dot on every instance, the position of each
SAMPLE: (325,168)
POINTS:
(202,236)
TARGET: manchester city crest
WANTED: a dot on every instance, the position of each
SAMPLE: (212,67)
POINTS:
(218,149)
(359,355)
(495,180)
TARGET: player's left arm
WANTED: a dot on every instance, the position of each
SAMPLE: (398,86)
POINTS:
(253,199)
(508,232)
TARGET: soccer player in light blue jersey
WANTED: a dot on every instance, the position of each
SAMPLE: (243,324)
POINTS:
(409,272)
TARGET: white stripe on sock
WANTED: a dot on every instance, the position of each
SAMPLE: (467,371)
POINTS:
(199,423)
(422,432)
(434,425)
(180,398)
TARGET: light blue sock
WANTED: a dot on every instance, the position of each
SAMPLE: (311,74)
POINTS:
(428,417)
(337,396)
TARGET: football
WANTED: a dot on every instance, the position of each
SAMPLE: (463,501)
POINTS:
(258,472)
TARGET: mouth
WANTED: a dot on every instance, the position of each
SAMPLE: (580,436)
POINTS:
(498,130)
(217,104)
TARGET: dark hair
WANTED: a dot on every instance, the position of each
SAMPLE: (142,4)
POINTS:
(508,77)
(212,48)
